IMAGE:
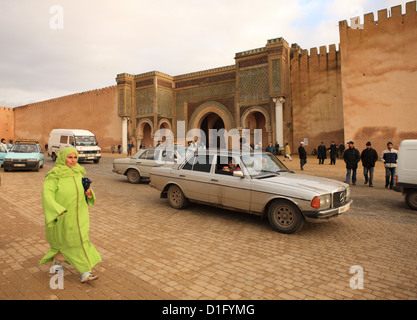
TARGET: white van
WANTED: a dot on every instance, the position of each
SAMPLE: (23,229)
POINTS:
(83,140)
(406,172)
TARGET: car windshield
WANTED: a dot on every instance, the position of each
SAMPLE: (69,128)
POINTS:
(85,141)
(262,165)
(24,148)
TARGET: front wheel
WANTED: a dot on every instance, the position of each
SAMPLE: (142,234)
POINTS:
(133,176)
(411,199)
(285,217)
(176,197)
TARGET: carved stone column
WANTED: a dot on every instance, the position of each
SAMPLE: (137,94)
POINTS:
(279,120)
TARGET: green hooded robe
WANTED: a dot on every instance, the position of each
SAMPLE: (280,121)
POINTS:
(68,233)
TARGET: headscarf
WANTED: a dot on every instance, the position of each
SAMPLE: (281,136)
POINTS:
(61,169)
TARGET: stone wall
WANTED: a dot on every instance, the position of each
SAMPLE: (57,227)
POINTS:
(316,91)
(379,76)
(6,123)
(94,110)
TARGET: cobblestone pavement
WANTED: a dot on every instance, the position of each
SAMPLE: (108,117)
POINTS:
(151,251)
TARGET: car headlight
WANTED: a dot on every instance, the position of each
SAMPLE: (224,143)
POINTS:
(321,202)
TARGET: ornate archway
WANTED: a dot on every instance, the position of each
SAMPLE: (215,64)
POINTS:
(144,133)
(258,118)
(208,116)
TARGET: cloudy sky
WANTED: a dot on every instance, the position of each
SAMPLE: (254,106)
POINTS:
(52,48)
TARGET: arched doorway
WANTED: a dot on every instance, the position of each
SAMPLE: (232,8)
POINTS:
(257,118)
(144,132)
(208,116)
(215,122)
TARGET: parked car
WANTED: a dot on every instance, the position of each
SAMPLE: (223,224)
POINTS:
(406,172)
(3,151)
(25,154)
(138,167)
(259,183)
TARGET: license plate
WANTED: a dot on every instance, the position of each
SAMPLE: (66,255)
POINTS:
(344,208)
(90,157)
(19,165)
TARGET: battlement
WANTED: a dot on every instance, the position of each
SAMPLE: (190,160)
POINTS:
(67,98)
(383,16)
(204,72)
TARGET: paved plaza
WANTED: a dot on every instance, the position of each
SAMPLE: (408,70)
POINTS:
(151,251)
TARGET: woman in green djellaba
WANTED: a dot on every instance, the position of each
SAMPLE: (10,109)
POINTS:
(67,223)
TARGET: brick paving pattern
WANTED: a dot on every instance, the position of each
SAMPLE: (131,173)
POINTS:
(151,251)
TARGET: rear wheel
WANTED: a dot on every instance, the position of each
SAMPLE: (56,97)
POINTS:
(133,176)
(53,156)
(411,199)
(285,217)
(176,197)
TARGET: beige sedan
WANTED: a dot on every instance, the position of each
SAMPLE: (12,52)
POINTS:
(138,167)
(256,183)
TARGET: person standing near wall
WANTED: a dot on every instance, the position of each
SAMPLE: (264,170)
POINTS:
(321,153)
(270,148)
(341,149)
(351,157)
(302,155)
(389,157)
(369,156)
(333,153)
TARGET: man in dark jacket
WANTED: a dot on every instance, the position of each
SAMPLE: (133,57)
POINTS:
(351,157)
(302,154)
(321,153)
(270,148)
(333,153)
(369,156)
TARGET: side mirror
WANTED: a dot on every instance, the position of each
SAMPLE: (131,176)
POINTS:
(238,173)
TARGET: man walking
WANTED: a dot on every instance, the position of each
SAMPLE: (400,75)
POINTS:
(369,156)
(287,151)
(389,157)
(302,154)
(351,157)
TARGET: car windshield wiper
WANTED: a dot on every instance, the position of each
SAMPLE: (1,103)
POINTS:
(269,171)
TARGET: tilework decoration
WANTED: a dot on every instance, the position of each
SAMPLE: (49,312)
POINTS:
(145,99)
(253,84)
(276,75)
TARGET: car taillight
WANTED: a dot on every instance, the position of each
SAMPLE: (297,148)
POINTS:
(315,203)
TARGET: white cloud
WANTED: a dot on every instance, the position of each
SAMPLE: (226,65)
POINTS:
(100,39)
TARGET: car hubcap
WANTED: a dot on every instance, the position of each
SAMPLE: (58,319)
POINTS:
(175,196)
(284,216)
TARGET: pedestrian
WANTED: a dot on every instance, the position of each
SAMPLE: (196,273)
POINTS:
(65,204)
(321,153)
(333,153)
(341,149)
(287,151)
(369,156)
(277,151)
(302,155)
(270,148)
(389,157)
(130,148)
(119,148)
(112,148)
(351,157)
(46,147)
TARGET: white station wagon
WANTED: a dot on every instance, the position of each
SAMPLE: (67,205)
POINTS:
(138,167)
(256,183)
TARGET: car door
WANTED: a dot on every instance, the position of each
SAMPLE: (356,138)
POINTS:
(228,190)
(195,177)
(146,161)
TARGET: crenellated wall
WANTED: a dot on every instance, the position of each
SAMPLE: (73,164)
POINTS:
(94,110)
(6,124)
(379,76)
(317,102)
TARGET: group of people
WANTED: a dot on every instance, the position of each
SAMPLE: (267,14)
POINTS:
(352,157)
